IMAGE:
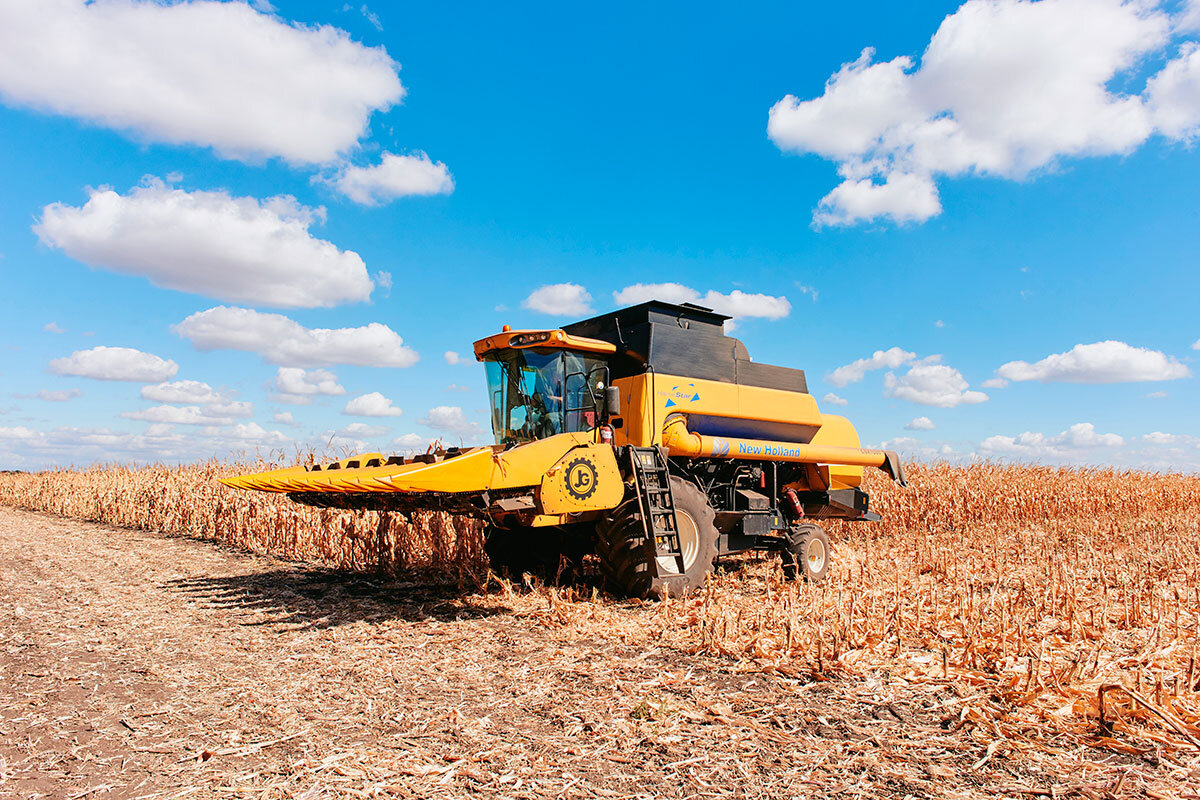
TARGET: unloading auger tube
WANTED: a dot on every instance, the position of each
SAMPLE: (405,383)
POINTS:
(679,441)
(642,444)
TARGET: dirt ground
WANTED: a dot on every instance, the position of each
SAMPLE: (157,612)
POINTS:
(136,665)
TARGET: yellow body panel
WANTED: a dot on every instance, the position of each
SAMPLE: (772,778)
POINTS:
(585,479)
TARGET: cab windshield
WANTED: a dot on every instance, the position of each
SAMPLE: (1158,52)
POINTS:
(538,393)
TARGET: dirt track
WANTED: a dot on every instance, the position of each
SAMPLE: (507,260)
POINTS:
(138,665)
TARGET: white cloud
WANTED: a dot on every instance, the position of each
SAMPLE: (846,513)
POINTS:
(1158,437)
(1155,395)
(451,420)
(252,431)
(560,299)
(902,197)
(995,383)
(1005,88)
(454,358)
(920,424)
(1173,95)
(194,392)
(736,304)
(855,371)
(298,386)
(910,448)
(356,429)
(833,399)
(209,243)
(1196,346)
(1081,436)
(20,432)
(454,387)
(52,327)
(932,385)
(284,418)
(220,75)
(115,364)
(373,404)
(54,395)
(281,340)
(232,408)
(413,442)
(1189,17)
(1102,362)
(394,176)
(176,415)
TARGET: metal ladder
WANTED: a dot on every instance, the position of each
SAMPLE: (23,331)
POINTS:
(652,483)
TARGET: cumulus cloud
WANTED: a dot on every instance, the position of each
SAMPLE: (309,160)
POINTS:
(209,243)
(560,299)
(232,408)
(253,432)
(356,429)
(454,358)
(1004,88)
(1101,362)
(52,327)
(834,400)
(413,443)
(373,404)
(298,386)
(281,340)
(115,364)
(195,392)
(1081,436)
(736,304)
(920,424)
(284,418)
(932,385)
(394,176)
(217,75)
(452,420)
(995,383)
(855,371)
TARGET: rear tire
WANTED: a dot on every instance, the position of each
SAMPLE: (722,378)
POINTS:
(626,558)
(807,553)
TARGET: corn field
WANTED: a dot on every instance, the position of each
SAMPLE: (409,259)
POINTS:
(1067,599)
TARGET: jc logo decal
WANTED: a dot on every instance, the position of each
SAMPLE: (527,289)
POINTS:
(581,478)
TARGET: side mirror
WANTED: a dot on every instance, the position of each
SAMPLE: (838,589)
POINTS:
(612,401)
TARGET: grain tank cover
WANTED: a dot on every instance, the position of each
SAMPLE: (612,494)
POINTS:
(685,340)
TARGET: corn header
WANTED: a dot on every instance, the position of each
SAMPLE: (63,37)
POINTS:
(645,436)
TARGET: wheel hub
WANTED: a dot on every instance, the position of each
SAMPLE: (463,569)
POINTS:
(689,545)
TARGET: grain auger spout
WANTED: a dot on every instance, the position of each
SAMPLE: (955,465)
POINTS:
(646,437)
(680,441)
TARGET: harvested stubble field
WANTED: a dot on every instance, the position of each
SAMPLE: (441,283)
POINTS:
(960,648)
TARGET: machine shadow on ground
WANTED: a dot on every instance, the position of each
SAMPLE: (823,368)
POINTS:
(323,598)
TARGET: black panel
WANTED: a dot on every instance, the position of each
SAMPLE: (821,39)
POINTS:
(683,340)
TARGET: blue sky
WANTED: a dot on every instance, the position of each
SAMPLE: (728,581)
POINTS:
(1003,203)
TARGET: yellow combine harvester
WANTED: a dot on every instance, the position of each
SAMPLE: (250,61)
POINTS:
(646,436)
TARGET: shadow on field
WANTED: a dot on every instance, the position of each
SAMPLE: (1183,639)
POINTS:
(321,598)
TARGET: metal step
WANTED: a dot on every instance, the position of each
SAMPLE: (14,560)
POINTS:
(652,483)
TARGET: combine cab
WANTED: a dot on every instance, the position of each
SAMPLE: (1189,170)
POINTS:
(646,436)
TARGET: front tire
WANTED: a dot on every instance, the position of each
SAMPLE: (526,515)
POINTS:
(807,553)
(626,557)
